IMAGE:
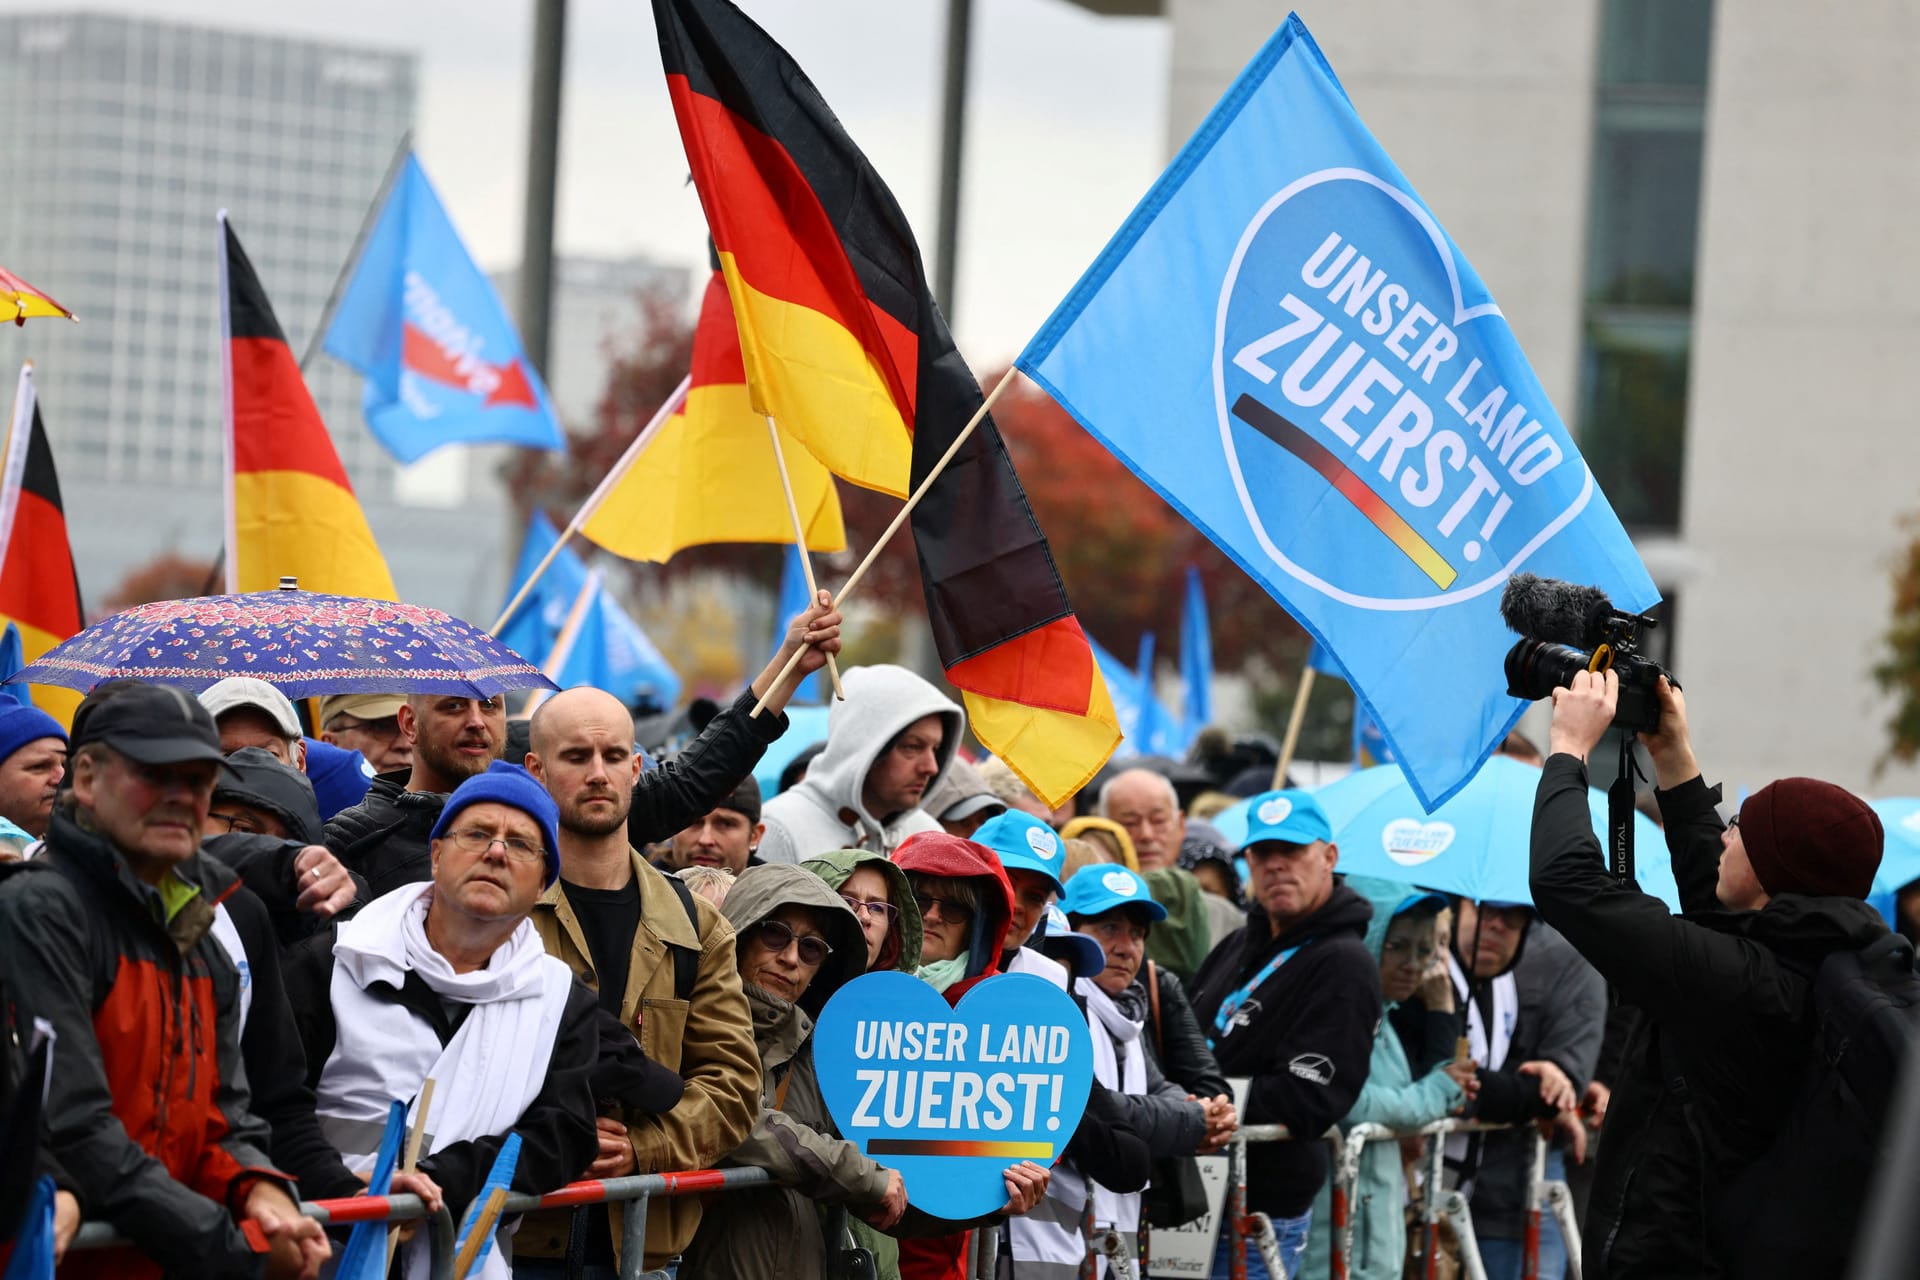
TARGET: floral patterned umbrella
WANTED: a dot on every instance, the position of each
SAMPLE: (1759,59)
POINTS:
(305,643)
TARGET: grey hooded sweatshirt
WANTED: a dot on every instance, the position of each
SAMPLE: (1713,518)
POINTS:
(825,810)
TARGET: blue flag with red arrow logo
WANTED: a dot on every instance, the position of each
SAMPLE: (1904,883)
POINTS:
(422,322)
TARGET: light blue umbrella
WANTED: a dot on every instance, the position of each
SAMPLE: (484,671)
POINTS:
(1900,860)
(1476,844)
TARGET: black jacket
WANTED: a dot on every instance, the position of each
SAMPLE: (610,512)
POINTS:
(1304,1036)
(1563,1004)
(1179,1045)
(385,837)
(276,1063)
(1724,1038)
(557,1136)
(265,865)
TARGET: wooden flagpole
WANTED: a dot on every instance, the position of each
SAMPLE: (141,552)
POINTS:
(598,496)
(873,553)
(412,1156)
(564,643)
(1295,719)
(483,1225)
(800,542)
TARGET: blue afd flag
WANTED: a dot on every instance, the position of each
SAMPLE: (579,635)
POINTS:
(12,658)
(610,652)
(1285,344)
(422,323)
(1369,743)
(1196,658)
(1141,718)
(792,603)
(365,1254)
(1155,734)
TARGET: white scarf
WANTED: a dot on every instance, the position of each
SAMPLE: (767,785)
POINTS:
(484,1077)
(1506,1011)
(1113,1034)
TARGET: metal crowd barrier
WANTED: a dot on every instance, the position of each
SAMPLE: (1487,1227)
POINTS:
(631,1193)
(1256,1229)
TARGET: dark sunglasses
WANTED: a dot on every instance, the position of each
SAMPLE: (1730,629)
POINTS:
(950,910)
(885,910)
(776,936)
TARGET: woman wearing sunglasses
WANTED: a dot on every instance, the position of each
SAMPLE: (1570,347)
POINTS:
(798,942)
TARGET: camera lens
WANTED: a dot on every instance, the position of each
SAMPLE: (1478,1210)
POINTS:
(1536,668)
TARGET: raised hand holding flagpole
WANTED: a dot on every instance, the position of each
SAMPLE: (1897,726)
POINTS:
(873,553)
(800,541)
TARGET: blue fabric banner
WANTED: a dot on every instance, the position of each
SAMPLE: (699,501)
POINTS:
(422,323)
(1285,344)
(792,603)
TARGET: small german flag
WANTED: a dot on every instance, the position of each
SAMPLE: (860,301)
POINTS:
(842,342)
(290,508)
(39,590)
(710,475)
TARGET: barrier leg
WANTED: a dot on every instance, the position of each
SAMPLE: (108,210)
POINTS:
(1236,1224)
(1430,1206)
(1560,1204)
(1455,1207)
(440,1245)
(989,1253)
(633,1238)
(1346,1187)
(1536,1195)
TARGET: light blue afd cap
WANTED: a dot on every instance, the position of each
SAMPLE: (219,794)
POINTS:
(1100,888)
(1294,817)
(1024,843)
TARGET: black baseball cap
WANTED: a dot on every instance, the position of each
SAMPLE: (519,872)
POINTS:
(148,723)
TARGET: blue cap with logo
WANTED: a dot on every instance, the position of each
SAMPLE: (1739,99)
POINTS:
(1024,843)
(1083,956)
(1293,817)
(1100,888)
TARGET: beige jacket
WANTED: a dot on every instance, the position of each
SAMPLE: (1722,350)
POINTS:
(708,1040)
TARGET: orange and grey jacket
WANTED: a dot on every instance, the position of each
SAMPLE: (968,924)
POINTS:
(147,1110)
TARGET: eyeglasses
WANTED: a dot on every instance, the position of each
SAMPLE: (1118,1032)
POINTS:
(474,840)
(1733,823)
(776,936)
(950,911)
(239,822)
(885,910)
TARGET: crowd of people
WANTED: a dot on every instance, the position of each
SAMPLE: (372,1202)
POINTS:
(250,942)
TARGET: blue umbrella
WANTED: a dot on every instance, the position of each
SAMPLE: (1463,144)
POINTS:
(1474,845)
(1900,860)
(1342,800)
(303,642)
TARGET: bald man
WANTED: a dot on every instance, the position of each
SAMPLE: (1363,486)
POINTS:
(659,958)
(1145,803)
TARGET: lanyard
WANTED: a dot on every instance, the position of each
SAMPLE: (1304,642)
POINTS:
(1223,1020)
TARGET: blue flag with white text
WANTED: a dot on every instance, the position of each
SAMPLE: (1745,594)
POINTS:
(1285,344)
(423,325)
(610,651)
(1196,659)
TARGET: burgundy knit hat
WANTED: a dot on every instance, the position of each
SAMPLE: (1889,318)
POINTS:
(1807,836)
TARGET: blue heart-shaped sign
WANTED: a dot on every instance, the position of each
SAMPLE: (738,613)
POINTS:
(951,1097)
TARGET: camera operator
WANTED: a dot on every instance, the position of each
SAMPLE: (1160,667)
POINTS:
(1726,993)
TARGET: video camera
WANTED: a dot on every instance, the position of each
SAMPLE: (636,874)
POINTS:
(1568,629)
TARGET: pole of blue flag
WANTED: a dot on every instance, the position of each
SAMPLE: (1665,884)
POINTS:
(880,543)
(599,495)
(1295,718)
(800,541)
(569,636)
(319,336)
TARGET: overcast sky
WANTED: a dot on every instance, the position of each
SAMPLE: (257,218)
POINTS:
(1066,128)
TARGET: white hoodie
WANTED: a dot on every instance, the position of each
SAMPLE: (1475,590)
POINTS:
(881,701)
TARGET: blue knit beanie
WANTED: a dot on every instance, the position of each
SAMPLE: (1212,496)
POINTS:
(514,787)
(20,725)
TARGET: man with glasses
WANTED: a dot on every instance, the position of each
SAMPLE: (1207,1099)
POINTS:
(107,935)
(447,981)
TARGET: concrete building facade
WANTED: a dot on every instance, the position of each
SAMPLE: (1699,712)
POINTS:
(1697,217)
(123,138)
